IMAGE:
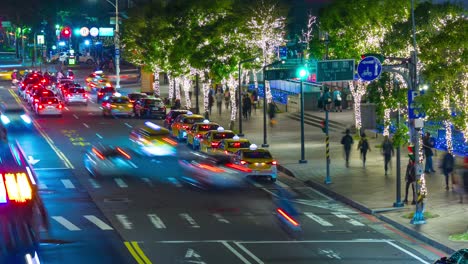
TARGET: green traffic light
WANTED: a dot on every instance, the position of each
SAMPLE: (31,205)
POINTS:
(302,72)
(76,31)
(57,26)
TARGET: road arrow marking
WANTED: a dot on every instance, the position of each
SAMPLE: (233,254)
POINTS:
(32,161)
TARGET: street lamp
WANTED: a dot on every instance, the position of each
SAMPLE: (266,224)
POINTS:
(265,145)
(302,74)
(240,134)
(116,42)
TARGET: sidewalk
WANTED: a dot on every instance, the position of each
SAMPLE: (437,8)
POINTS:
(368,190)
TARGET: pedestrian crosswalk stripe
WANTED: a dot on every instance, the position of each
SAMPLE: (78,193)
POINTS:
(318,219)
(221,219)
(156,221)
(120,183)
(282,184)
(124,221)
(190,220)
(94,183)
(67,224)
(349,220)
(68,184)
(175,181)
(98,222)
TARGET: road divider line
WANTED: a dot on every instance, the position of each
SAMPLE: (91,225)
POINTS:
(407,252)
(133,253)
(235,252)
(128,125)
(281,184)
(59,153)
(248,252)
(133,164)
(120,183)
(140,252)
(94,183)
(67,224)
(221,219)
(68,184)
(86,125)
(66,108)
(318,219)
(190,220)
(123,219)
(99,136)
(98,222)
(75,116)
(156,221)
(46,169)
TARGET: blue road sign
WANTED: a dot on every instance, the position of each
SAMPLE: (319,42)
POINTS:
(369,68)
(117,52)
(414,109)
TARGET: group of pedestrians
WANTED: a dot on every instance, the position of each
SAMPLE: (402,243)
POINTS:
(447,164)
(328,98)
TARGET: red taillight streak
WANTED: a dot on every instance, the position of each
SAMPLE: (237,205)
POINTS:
(125,154)
(199,135)
(68,95)
(210,168)
(287,217)
(237,167)
(185,127)
(170,141)
(273,162)
(41,106)
(98,153)
(214,144)
(243,162)
(59,106)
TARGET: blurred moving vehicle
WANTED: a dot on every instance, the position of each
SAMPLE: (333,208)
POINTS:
(211,139)
(117,105)
(30,79)
(259,160)
(13,115)
(22,211)
(75,95)
(195,132)
(104,161)
(459,257)
(49,106)
(171,116)
(150,108)
(153,140)
(182,123)
(103,92)
(136,96)
(212,171)
(231,145)
(96,80)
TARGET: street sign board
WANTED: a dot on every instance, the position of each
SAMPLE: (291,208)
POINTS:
(84,31)
(414,109)
(6,24)
(335,70)
(117,52)
(369,68)
(280,74)
(94,31)
(40,39)
(106,32)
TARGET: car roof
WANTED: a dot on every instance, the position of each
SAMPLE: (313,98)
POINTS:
(161,131)
(236,140)
(256,150)
(192,115)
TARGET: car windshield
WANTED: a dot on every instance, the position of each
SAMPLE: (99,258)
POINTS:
(193,120)
(136,96)
(14,111)
(223,135)
(120,100)
(257,155)
(207,127)
(238,144)
(76,90)
(49,100)
(108,90)
(152,102)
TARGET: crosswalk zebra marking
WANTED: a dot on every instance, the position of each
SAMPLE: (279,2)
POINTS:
(221,219)
(348,219)
(94,183)
(123,219)
(68,184)
(190,220)
(98,222)
(120,182)
(67,224)
(318,219)
(156,221)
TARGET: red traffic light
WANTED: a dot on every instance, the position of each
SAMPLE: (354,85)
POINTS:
(66,32)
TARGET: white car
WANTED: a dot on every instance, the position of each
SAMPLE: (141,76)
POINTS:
(85,59)
(108,161)
(49,106)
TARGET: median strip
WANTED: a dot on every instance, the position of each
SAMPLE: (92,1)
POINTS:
(137,253)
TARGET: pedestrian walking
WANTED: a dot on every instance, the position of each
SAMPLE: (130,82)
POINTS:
(347,142)
(387,151)
(246,106)
(227,99)
(463,182)
(320,104)
(219,101)
(255,99)
(272,113)
(210,102)
(349,101)
(410,178)
(337,97)
(447,165)
(327,99)
(363,147)
(428,153)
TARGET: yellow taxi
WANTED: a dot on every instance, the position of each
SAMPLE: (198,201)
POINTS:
(117,105)
(196,131)
(211,139)
(182,123)
(258,160)
(153,140)
(96,80)
(231,145)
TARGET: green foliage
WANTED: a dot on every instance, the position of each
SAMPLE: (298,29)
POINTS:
(401,136)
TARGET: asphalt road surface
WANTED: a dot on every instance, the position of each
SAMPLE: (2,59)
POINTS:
(151,217)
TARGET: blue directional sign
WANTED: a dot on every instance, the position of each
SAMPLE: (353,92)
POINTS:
(117,52)
(369,68)
(414,109)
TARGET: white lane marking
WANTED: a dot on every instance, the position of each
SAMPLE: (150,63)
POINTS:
(148,181)
(189,219)
(156,221)
(407,252)
(99,136)
(365,240)
(44,169)
(319,193)
(281,184)
(94,183)
(318,219)
(128,125)
(123,219)
(86,125)
(75,116)
(120,183)
(221,219)
(235,252)
(349,219)
(98,222)
(68,184)
(248,252)
(66,108)
(42,186)
(67,224)
(256,184)
(175,181)
(133,164)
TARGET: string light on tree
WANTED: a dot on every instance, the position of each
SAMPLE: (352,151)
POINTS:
(171,86)
(156,87)
(178,81)
(186,85)
(357,91)
(231,83)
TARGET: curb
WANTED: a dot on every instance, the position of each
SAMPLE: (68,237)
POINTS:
(285,171)
(382,217)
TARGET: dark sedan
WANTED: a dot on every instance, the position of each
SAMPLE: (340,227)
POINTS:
(150,108)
